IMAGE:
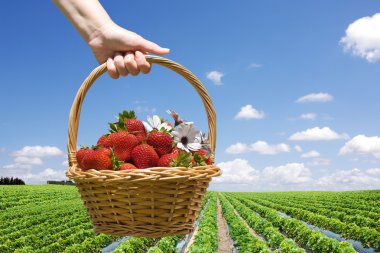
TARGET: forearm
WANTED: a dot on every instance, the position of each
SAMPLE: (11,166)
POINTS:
(87,16)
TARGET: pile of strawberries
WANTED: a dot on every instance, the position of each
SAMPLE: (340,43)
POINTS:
(134,144)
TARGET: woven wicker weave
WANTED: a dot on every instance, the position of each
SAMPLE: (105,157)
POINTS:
(151,202)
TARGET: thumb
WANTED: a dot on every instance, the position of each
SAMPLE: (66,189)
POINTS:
(150,47)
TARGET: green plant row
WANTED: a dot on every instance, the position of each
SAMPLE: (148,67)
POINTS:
(244,241)
(263,227)
(135,245)
(206,239)
(296,229)
(358,200)
(14,196)
(166,244)
(363,217)
(369,237)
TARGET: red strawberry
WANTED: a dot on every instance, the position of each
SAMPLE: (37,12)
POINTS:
(204,154)
(99,159)
(127,166)
(165,160)
(122,144)
(81,153)
(102,140)
(136,127)
(144,156)
(161,142)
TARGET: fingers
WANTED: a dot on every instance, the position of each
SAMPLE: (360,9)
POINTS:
(142,63)
(130,63)
(112,71)
(120,64)
(150,47)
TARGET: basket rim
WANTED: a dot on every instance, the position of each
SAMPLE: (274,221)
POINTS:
(150,174)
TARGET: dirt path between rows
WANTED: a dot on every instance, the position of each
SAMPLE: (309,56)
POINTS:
(224,240)
(249,228)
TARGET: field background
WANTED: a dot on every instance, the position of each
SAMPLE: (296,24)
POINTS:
(52,218)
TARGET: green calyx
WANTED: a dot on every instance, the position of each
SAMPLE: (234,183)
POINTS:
(115,162)
(120,125)
(183,159)
(199,160)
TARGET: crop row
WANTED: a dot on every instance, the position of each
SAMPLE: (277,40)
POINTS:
(296,229)
(369,237)
(244,241)
(272,235)
(328,211)
(206,239)
(361,200)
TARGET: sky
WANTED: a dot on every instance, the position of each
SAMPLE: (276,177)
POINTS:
(295,88)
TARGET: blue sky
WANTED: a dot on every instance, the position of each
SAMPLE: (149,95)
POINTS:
(268,54)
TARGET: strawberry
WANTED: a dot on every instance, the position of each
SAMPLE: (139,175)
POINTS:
(122,144)
(98,159)
(127,166)
(144,156)
(202,156)
(136,127)
(165,160)
(127,122)
(102,140)
(161,142)
(81,153)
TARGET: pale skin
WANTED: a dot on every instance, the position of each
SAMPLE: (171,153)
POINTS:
(123,50)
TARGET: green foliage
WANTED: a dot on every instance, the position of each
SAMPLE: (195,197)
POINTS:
(206,240)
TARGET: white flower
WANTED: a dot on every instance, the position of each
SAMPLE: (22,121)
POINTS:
(186,137)
(155,123)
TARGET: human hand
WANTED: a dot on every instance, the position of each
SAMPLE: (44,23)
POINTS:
(123,50)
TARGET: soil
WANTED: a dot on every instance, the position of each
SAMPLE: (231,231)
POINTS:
(224,240)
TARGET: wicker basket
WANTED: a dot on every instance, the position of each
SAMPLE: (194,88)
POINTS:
(151,202)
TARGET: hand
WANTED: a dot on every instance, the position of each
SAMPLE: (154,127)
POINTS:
(123,50)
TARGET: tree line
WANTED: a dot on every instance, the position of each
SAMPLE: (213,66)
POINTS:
(11,181)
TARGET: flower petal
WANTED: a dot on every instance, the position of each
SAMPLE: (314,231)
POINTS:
(150,120)
(148,128)
(156,121)
(194,146)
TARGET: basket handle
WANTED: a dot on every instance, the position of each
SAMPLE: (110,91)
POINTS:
(86,85)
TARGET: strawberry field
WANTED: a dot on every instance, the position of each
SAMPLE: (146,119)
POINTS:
(53,219)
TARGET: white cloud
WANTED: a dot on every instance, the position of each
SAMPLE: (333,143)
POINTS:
(362,144)
(374,171)
(260,147)
(65,163)
(310,154)
(238,171)
(317,134)
(298,148)
(349,180)
(38,151)
(215,77)
(319,162)
(16,166)
(264,148)
(28,160)
(254,66)
(363,38)
(2,150)
(290,173)
(315,97)
(248,112)
(309,116)
(239,175)
(145,109)
(25,172)
(237,148)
